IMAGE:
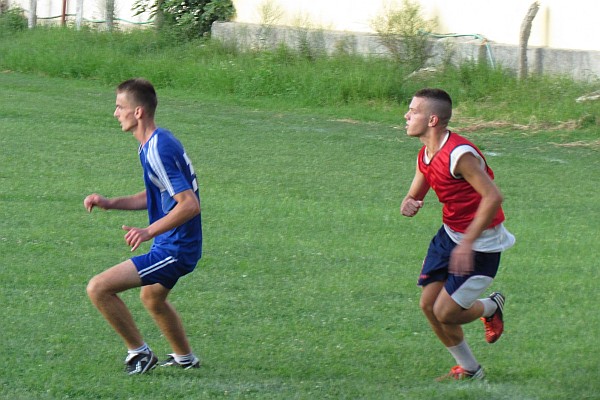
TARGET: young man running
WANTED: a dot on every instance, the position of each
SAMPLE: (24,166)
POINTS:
(173,204)
(464,256)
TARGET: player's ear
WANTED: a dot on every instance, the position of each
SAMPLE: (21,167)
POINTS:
(433,120)
(139,112)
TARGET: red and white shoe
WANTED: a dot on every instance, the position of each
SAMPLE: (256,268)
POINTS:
(459,373)
(494,325)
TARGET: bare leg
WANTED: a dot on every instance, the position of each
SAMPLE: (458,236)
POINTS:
(154,298)
(102,290)
(451,316)
(429,298)
(445,316)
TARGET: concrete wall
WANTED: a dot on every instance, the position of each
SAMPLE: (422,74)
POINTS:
(564,35)
(578,64)
(559,24)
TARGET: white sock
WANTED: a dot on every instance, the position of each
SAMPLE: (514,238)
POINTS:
(489,307)
(142,349)
(464,356)
(185,359)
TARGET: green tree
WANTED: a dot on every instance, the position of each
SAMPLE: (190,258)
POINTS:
(189,18)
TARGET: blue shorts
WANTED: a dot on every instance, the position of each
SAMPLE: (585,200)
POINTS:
(158,266)
(437,261)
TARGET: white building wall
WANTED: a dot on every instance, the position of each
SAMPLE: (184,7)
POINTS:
(559,23)
(93,11)
(564,24)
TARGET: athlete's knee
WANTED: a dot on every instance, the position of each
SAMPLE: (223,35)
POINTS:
(95,288)
(429,297)
(147,300)
(153,303)
(445,313)
(427,307)
(443,317)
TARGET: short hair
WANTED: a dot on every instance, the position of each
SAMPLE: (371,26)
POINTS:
(438,102)
(141,93)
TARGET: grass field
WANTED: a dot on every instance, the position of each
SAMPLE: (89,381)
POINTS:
(307,286)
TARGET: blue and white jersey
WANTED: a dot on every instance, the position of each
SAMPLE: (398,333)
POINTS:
(168,171)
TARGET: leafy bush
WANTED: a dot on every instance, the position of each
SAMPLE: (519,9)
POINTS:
(404,32)
(193,18)
(12,20)
(189,19)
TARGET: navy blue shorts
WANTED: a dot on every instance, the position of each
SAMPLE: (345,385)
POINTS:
(158,266)
(437,261)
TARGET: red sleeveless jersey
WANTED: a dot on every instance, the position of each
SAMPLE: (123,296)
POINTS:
(459,198)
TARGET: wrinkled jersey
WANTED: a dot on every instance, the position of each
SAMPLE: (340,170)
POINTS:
(460,200)
(168,171)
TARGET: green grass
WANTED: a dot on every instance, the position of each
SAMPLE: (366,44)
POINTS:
(307,286)
(344,85)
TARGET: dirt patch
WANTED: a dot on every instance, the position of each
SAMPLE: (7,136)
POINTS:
(475,126)
(594,144)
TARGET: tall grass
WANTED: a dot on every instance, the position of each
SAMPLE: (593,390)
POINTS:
(286,79)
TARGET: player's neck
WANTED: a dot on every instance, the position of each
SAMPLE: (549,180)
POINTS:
(434,141)
(144,131)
